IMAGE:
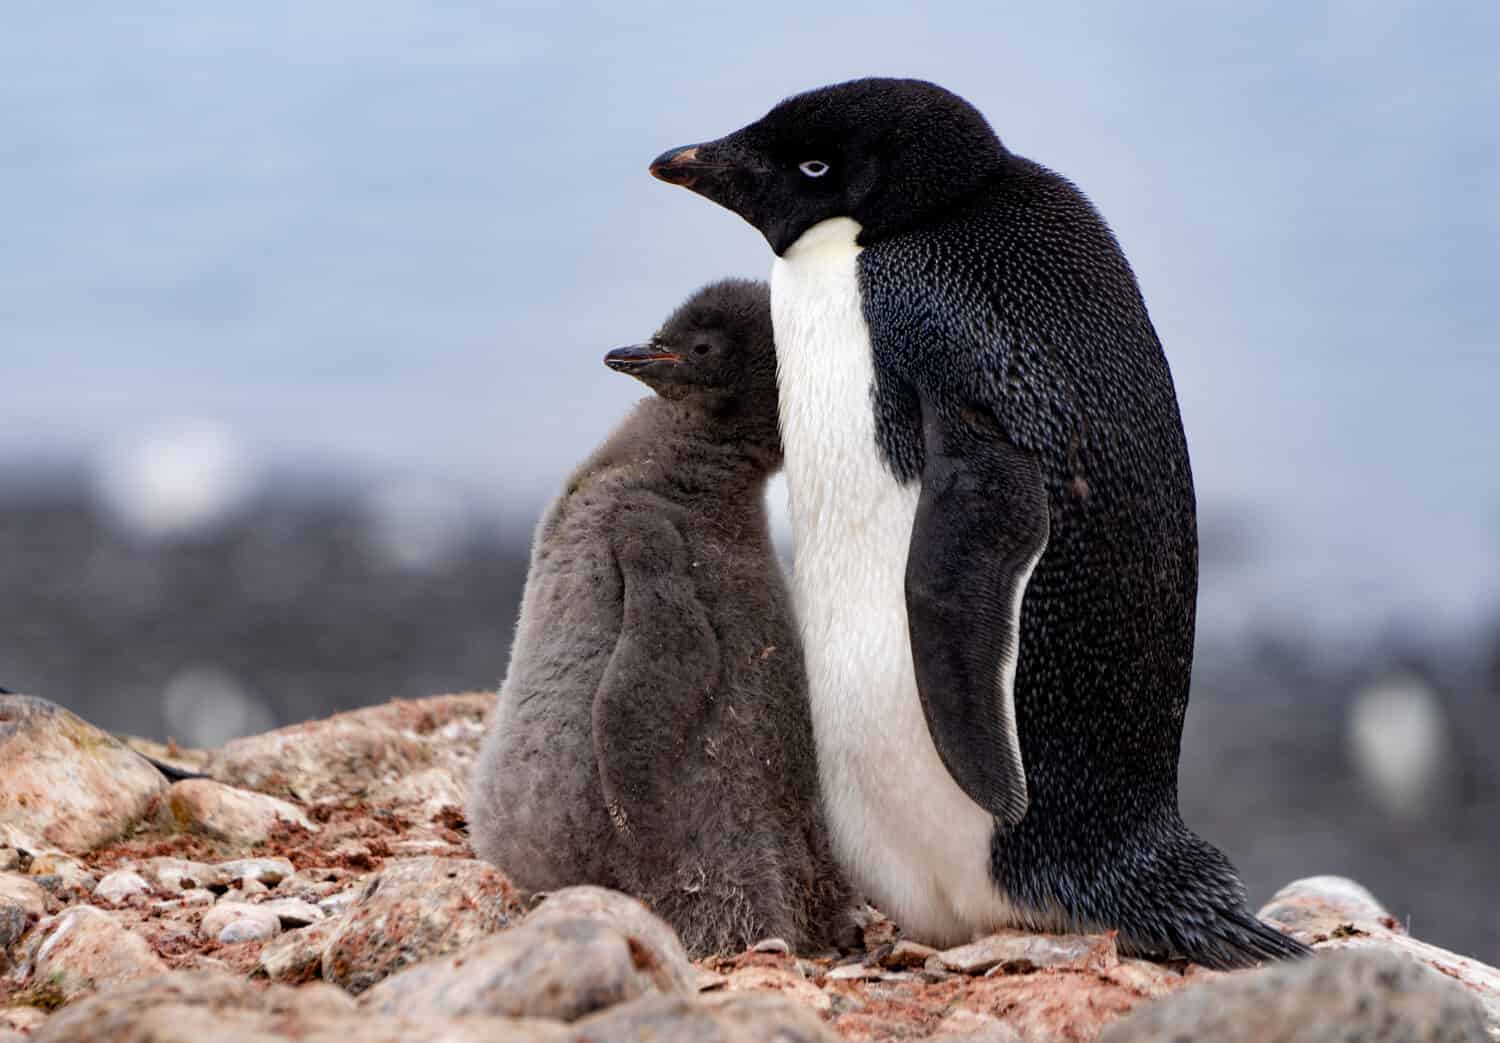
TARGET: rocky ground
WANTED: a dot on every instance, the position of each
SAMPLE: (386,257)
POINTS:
(318,885)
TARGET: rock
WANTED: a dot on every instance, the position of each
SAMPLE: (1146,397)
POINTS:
(1020,950)
(65,782)
(243,889)
(65,877)
(426,793)
(13,924)
(744,1017)
(233,922)
(21,1020)
(122,884)
(192,1007)
(232,815)
(179,874)
(339,901)
(1336,913)
(297,956)
(1374,997)
(22,894)
(293,912)
(779,980)
(905,955)
(562,969)
(967,1026)
(654,943)
(267,871)
(413,910)
(86,948)
(378,745)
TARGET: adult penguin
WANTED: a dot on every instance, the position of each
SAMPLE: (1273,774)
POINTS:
(994,526)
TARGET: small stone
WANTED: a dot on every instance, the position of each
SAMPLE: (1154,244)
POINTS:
(337,902)
(779,980)
(232,815)
(855,972)
(65,877)
(266,871)
(293,912)
(232,922)
(87,948)
(25,895)
(1024,951)
(1359,994)
(905,955)
(878,931)
(243,889)
(22,1020)
(65,782)
(777,946)
(122,884)
(416,909)
(297,956)
(179,874)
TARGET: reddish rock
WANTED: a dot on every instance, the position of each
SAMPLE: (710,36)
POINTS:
(234,816)
(364,749)
(415,910)
(1367,994)
(654,944)
(65,782)
(721,1018)
(86,948)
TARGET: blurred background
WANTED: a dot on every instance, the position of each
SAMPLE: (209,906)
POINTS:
(303,307)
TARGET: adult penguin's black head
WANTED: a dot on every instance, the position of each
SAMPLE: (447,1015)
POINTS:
(888,153)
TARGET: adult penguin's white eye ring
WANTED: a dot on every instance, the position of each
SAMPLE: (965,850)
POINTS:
(813,168)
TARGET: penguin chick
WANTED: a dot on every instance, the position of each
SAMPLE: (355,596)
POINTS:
(652,733)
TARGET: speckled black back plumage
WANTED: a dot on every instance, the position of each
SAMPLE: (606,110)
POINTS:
(1018,310)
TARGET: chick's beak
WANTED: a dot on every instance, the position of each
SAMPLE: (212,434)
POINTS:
(637,357)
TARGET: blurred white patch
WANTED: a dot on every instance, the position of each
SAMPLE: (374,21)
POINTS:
(416,524)
(1398,738)
(174,481)
(779,513)
(204,706)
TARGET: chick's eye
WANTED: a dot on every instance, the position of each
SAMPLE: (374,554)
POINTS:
(813,168)
(701,349)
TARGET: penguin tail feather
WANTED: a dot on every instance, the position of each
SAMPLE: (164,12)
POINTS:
(1242,940)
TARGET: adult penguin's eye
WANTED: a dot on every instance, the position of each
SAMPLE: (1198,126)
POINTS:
(813,168)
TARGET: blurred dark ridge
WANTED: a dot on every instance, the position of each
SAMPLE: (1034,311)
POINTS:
(292,599)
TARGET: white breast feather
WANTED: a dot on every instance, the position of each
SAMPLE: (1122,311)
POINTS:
(909,837)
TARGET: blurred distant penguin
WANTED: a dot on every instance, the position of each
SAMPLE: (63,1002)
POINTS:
(994,526)
(653,730)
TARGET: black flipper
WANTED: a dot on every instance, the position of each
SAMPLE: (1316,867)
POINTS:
(666,647)
(980,529)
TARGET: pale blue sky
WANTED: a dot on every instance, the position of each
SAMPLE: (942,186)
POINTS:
(399,236)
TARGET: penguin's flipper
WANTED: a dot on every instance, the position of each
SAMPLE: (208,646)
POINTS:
(657,690)
(981,527)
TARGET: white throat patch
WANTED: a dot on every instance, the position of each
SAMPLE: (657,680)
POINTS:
(905,832)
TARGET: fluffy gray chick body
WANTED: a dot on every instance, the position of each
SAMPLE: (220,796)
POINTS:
(653,732)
